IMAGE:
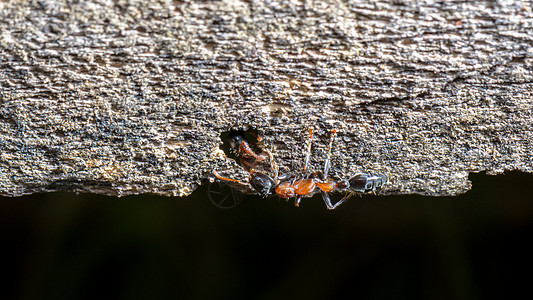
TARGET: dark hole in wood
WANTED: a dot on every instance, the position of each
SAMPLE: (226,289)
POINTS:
(247,134)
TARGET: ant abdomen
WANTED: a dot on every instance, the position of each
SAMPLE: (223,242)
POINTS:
(366,182)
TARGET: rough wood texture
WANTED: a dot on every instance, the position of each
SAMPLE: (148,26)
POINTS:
(125,97)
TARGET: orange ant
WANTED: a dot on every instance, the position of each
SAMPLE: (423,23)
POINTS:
(290,185)
(243,145)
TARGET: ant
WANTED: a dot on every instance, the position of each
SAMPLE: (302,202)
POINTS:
(292,185)
(245,147)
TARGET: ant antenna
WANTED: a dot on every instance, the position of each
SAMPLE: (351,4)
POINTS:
(327,163)
(273,166)
(308,154)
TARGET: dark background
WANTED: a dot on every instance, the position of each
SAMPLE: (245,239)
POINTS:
(473,246)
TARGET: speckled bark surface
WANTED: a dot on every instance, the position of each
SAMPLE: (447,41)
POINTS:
(125,97)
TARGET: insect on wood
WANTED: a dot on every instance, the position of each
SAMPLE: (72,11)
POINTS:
(265,180)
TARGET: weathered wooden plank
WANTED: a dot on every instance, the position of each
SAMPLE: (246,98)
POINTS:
(125,97)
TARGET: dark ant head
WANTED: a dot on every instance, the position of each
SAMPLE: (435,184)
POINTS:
(262,183)
(233,138)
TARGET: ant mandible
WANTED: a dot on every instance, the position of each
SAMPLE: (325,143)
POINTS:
(292,185)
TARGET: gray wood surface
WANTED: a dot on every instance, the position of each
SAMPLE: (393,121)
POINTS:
(127,97)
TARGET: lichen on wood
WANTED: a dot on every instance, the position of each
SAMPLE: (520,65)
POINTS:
(128,97)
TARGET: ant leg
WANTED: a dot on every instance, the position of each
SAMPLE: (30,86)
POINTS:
(228,179)
(327,163)
(297,201)
(246,165)
(327,200)
(273,166)
(245,149)
(344,199)
(308,154)
(219,195)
